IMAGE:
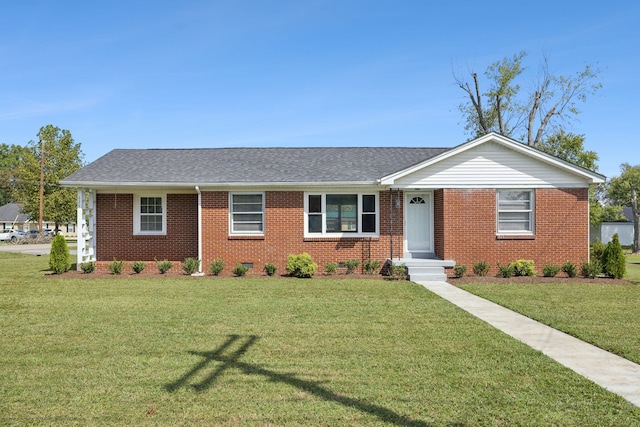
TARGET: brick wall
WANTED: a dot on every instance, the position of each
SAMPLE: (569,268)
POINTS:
(465,228)
(283,235)
(114,230)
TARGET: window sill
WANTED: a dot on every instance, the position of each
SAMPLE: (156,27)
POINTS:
(515,236)
(340,239)
(149,236)
(245,237)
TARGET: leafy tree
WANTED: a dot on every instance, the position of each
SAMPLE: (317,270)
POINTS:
(623,190)
(551,101)
(62,157)
(11,157)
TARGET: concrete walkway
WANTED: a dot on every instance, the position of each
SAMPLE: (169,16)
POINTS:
(609,371)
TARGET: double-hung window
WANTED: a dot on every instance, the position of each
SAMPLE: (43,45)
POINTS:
(341,214)
(515,212)
(150,214)
(247,213)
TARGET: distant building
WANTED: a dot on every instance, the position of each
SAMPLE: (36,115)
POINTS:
(12,217)
(624,228)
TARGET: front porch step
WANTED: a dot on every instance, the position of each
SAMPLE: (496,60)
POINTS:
(425,270)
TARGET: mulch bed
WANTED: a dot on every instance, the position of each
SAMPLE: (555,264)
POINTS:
(536,280)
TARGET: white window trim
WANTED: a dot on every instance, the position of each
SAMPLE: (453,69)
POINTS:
(324,232)
(137,214)
(232,232)
(532,214)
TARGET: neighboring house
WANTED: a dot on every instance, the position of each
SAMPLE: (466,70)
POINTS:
(11,217)
(624,229)
(491,199)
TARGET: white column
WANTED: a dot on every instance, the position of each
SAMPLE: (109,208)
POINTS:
(86,226)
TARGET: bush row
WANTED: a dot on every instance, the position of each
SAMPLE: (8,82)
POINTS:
(607,260)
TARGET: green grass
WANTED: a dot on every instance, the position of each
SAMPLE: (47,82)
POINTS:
(240,351)
(633,268)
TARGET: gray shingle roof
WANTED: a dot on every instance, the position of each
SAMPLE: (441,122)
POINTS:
(11,212)
(249,165)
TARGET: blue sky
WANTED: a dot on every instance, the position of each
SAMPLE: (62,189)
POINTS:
(154,74)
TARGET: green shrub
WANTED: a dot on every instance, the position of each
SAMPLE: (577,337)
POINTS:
(240,270)
(88,267)
(550,270)
(301,266)
(524,267)
(460,270)
(591,269)
(481,268)
(138,267)
(596,250)
(569,269)
(270,269)
(331,268)
(398,272)
(216,266)
(351,265)
(191,266)
(370,266)
(164,266)
(505,271)
(59,257)
(613,260)
(116,266)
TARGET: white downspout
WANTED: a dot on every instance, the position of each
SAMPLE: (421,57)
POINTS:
(199,273)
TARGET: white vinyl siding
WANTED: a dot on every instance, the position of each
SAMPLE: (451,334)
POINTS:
(246,213)
(490,165)
(515,211)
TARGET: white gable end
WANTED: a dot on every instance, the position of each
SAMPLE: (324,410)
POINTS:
(490,165)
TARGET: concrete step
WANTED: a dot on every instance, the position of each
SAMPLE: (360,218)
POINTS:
(427,270)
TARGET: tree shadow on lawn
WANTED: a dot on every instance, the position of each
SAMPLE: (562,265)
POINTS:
(232,361)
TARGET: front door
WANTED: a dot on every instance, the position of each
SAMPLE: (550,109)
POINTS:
(419,225)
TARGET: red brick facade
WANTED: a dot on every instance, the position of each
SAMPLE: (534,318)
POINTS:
(464,230)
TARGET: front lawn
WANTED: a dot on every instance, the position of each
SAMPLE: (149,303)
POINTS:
(240,351)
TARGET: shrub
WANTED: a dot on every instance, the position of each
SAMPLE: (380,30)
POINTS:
(59,257)
(331,268)
(191,265)
(351,265)
(301,266)
(116,266)
(613,260)
(164,266)
(569,269)
(591,269)
(216,266)
(480,268)
(370,266)
(88,267)
(524,267)
(505,271)
(550,270)
(596,250)
(138,267)
(398,272)
(460,270)
(240,270)
(270,269)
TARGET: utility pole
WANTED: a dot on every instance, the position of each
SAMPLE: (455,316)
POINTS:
(41,188)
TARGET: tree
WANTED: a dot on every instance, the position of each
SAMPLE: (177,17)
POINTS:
(551,101)
(623,190)
(62,157)
(11,157)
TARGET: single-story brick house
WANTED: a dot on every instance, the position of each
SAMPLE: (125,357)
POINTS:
(491,199)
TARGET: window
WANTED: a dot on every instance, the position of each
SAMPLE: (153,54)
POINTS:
(515,211)
(149,214)
(341,214)
(247,213)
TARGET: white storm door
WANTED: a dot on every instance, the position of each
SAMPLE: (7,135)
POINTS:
(419,229)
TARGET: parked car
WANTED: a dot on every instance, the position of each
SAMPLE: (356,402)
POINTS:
(10,235)
(32,234)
